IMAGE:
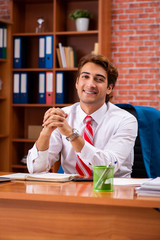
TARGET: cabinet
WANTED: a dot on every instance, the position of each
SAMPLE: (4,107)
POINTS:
(62,28)
(5,96)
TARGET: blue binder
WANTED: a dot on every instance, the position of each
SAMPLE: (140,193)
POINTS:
(42,88)
(16,87)
(41,59)
(1,41)
(60,88)
(49,51)
(24,88)
(17,61)
(4,42)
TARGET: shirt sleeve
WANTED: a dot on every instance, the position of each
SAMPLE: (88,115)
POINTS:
(117,149)
(42,161)
(37,160)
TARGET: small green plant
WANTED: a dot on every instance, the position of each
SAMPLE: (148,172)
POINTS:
(80,13)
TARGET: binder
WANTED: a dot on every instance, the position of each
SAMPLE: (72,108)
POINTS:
(49,88)
(42,88)
(24,88)
(17,61)
(49,51)
(1,42)
(60,88)
(41,59)
(4,42)
(16,87)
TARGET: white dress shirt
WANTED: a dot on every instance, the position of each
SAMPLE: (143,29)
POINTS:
(114,133)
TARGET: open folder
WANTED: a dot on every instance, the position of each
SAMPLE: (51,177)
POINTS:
(47,177)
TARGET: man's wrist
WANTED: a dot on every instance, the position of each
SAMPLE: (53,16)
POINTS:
(73,135)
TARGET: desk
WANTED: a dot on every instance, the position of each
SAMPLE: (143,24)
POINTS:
(43,211)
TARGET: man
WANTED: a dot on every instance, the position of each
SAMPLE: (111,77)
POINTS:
(114,130)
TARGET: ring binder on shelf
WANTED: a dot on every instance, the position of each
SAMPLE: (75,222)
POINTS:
(41,59)
(4,42)
(24,88)
(49,88)
(1,42)
(16,88)
(42,88)
(49,52)
(60,88)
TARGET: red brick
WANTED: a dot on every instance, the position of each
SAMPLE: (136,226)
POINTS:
(143,81)
(133,16)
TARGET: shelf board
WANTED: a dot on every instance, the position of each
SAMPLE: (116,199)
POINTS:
(32,105)
(32,69)
(19,166)
(41,105)
(32,34)
(3,136)
(77,32)
(43,69)
(6,21)
(2,60)
(25,140)
(2,98)
(66,69)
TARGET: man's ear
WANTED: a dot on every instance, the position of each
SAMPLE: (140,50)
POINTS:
(76,83)
(109,88)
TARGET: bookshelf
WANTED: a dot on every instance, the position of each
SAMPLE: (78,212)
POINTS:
(57,24)
(5,98)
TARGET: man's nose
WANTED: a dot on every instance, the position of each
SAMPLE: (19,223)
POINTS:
(91,82)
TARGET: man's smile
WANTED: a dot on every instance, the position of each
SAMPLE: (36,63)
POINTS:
(89,92)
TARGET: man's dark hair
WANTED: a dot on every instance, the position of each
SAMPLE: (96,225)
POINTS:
(112,73)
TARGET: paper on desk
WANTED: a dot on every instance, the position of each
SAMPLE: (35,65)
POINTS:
(153,184)
(129,181)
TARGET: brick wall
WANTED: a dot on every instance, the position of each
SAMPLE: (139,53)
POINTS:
(135,50)
(5,8)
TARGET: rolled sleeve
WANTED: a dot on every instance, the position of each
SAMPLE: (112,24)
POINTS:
(36,160)
(87,153)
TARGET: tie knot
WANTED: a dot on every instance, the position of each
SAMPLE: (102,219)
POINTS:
(88,119)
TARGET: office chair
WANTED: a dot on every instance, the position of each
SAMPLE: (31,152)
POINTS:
(147,144)
(138,169)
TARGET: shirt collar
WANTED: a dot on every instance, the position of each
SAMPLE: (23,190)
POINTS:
(97,115)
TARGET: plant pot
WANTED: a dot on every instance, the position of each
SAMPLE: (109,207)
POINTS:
(82,24)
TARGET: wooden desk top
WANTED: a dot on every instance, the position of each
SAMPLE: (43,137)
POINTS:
(74,192)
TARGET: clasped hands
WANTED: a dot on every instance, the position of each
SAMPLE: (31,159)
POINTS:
(56,118)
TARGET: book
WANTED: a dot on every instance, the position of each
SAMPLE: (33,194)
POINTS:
(63,57)
(46,177)
(59,57)
(150,188)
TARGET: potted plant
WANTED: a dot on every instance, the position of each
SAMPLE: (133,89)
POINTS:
(82,17)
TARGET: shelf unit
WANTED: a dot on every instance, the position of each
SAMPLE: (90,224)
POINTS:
(58,24)
(5,101)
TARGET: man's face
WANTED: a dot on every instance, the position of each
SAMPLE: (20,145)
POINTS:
(92,85)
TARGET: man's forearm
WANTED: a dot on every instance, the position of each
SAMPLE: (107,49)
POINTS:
(43,140)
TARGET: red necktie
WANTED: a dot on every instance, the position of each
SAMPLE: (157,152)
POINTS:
(81,167)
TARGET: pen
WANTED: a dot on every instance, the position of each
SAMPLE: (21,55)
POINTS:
(102,177)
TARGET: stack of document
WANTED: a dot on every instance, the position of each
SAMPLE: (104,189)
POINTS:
(150,188)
